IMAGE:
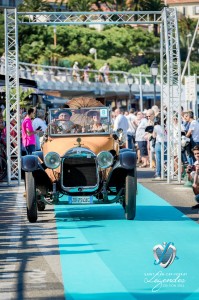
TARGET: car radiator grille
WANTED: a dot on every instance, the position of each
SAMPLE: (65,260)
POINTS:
(79,172)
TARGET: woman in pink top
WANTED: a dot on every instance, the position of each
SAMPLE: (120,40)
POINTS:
(28,134)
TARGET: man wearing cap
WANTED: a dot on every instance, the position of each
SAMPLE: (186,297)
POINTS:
(63,124)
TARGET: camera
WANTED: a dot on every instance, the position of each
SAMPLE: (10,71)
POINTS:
(190,169)
(151,138)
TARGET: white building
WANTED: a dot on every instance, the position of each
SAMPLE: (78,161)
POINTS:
(187,8)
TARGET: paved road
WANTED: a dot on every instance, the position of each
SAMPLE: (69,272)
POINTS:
(29,253)
(91,253)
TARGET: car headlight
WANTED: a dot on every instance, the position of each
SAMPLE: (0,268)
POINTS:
(52,160)
(105,159)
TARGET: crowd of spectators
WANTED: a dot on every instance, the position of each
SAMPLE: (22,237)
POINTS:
(145,134)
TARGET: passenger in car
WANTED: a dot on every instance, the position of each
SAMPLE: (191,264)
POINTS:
(97,125)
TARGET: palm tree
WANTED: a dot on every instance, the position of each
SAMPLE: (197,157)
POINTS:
(34,6)
(53,53)
(75,5)
(134,5)
(153,5)
(80,5)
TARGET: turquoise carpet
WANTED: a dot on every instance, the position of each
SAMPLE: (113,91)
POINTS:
(105,257)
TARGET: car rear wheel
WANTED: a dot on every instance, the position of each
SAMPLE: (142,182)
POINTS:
(130,197)
(31,201)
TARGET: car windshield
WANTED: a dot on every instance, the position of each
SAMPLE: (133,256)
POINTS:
(82,121)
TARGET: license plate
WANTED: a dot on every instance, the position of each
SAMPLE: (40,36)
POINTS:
(81,200)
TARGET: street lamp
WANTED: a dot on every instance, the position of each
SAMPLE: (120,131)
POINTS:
(93,51)
(130,82)
(154,73)
(188,46)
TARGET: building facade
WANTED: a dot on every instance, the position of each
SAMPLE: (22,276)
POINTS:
(187,8)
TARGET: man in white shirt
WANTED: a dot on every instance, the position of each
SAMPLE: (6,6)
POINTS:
(140,138)
(39,124)
(131,130)
(193,133)
(121,122)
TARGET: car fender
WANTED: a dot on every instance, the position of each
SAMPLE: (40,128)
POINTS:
(29,163)
(39,154)
(128,159)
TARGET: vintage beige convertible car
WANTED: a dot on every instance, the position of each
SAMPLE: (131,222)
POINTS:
(81,159)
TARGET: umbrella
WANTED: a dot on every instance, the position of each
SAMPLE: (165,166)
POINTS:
(81,119)
(84,102)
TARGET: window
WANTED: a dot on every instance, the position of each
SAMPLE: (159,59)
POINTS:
(196,10)
(8,3)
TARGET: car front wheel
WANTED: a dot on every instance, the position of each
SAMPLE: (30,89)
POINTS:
(31,201)
(130,197)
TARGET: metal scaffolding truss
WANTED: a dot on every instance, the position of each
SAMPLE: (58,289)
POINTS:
(81,18)
(12,96)
(170,70)
(171,96)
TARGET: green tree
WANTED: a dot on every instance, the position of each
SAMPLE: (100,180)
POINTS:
(36,44)
(187,26)
(1,34)
(144,69)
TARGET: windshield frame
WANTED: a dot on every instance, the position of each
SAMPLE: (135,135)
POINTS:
(103,114)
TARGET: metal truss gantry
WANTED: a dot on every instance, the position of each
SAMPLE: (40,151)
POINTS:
(171,96)
(170,72)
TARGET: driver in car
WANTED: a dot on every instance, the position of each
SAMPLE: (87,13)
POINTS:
(63,124)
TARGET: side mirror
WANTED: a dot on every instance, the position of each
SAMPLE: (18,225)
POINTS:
(119,130)
(115,136)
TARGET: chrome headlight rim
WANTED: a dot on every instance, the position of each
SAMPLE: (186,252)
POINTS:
(52,153)
(108,163)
